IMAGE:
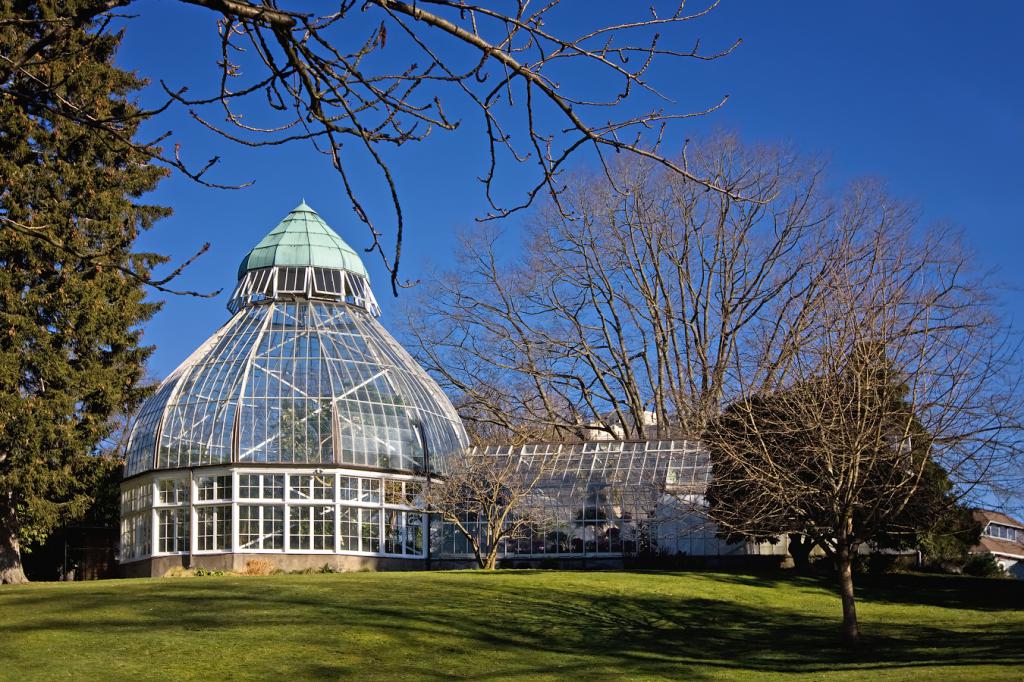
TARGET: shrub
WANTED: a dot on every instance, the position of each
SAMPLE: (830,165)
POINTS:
(202,572)
(179,572)
(260,567)
(879,563)
(983,566)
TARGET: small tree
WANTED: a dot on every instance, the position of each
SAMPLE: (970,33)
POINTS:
(932,521)
(948,546)
(488,499)
(826,458)
(984,566)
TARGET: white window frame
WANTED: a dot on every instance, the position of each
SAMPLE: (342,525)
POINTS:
(135,492)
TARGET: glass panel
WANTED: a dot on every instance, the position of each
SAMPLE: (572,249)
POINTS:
(262,282)
(141,447)
(323,528)
(273,486)
(370,490)
(348,488)
(291,280)
(394,492)
(370,528)
(298,487)
(213,528)
(601,498)
(280,376)
(249,486)
(273,527)
(327,281)
(323,487)
(413,534)
(173,491)
(298,528)
(199,419)
(392,532)
(315,359)
(412,492)
(311,527)
(248,527)
(214,487)
(260,527)
(173,531)
(135,536)
(348,529)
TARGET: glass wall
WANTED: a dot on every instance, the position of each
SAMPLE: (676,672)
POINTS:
(173,517)
(136,520)
(601,499)
(606,499)
(253,511)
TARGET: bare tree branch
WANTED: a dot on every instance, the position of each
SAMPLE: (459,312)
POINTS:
(543,92)
(636,307)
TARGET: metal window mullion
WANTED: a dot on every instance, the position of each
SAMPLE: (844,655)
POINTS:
(248,369)
(153,531)
(193,539)
(287,523)
(233,541)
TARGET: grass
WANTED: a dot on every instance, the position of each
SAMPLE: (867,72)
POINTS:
(509,625)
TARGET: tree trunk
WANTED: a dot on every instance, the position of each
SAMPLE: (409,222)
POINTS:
(844,564)
(10,551)
(477,554)
(800,549)
(492,559)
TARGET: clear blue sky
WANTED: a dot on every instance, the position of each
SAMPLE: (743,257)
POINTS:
(928,96)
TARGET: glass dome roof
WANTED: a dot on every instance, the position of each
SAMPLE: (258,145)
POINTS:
(302,238)
(297,380)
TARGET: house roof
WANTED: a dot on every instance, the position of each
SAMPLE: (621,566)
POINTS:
(301,239)
(1001,547)
(986,516)
(998,545)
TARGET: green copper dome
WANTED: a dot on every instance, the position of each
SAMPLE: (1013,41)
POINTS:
(303,239)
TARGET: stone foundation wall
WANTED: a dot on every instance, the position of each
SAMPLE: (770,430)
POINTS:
(159,566)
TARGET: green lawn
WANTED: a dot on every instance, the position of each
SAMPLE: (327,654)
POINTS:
(511,624)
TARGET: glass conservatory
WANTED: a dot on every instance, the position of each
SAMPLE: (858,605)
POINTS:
(301,432)
(301,428)
(608,501)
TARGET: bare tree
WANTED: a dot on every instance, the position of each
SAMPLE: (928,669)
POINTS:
(487,498)
(893,367)
(652,304)
(361,79)
(634,304)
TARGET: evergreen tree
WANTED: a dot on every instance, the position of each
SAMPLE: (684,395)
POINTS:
(71,294)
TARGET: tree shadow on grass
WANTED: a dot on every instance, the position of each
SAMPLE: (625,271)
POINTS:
(511,625)
(921,589)
(955,592)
